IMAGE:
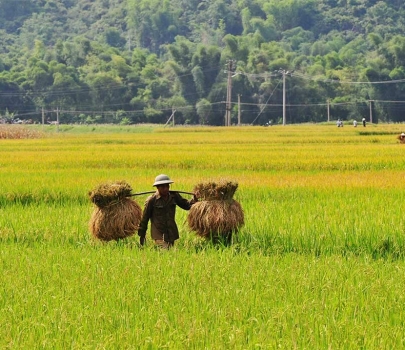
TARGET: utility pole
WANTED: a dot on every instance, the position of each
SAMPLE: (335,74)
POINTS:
(43,118)
(239,112)
(328,110)
(284,118)
(171,118)
(57,119)
(284,73)
(371,110)
(229,93)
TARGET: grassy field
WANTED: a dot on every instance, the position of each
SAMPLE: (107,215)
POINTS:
(319,264)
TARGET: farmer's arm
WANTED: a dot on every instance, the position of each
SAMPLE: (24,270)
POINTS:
(146,215)
(184,203)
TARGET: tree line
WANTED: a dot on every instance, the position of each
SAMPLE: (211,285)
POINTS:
(137,61)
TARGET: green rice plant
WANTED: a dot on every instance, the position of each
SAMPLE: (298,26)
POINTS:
(114,296)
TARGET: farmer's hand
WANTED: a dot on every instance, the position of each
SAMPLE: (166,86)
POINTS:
(142,237)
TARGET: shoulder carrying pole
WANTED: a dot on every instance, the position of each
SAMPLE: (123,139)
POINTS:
(150,192)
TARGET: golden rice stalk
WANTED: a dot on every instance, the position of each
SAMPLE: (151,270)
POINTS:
(109,193)
(116,221)
(221,190)
(215,217)
(18,132)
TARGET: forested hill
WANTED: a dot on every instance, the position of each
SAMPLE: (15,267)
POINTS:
(131,61)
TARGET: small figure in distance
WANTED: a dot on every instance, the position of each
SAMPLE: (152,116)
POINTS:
(355,123)
(401,137)
(160,209)
(364,121)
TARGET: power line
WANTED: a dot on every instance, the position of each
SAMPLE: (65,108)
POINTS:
(113,87)
(308,77)
(321,79)
(265,104)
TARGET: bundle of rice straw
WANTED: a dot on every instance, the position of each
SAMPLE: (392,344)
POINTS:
(217,214)
(222,190)
(115,216)
(109,193)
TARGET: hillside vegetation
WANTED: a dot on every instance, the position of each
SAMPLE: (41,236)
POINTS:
(135,61)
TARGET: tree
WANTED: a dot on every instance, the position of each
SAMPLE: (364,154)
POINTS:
(289,14)
(113,38)
(203,109)
(106,90)
(11,96)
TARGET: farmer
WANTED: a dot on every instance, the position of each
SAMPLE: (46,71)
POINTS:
(160,209)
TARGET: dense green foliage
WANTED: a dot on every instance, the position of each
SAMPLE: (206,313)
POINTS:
(131,61)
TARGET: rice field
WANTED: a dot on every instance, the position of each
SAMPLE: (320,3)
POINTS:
(319,263)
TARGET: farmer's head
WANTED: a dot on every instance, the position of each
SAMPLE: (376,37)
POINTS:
(162,183)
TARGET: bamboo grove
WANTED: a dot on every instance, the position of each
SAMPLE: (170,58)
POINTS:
(127,61)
